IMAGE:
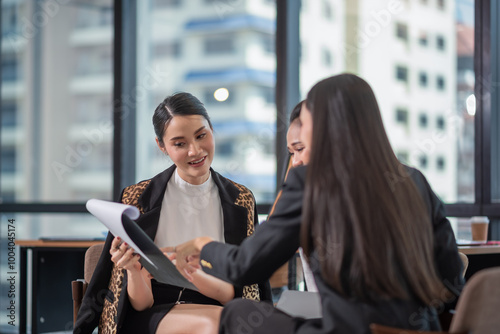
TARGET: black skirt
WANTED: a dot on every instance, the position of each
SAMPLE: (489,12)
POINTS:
(165,297)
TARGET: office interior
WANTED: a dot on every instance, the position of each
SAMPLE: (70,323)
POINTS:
(81,79)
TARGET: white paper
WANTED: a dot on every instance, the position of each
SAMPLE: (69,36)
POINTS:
(110,214)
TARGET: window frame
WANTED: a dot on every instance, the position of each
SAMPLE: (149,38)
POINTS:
(287,92)
(423,79)
(440,43)
(399,71)
(227,40)
(423,120)
(402,32)
(482,205)
(402,116)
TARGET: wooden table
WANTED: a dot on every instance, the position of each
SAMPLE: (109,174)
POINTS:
(486,249)
(54,264)
(58,244)
(480,257)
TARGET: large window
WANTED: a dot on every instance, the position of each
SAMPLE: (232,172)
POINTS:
(57,92)
(227,62)
(433,70)
(56,102)
(56,120)
(57,79)
(418,78)
(76,100)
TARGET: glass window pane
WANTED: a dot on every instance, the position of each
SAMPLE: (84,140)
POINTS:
(224,55)
(424,84)
(56,95)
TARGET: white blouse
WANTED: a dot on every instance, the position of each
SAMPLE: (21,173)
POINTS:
(189,211)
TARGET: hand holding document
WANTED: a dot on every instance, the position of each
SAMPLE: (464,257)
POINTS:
(118,218)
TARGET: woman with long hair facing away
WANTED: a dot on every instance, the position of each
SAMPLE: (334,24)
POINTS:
(186,200)
(375,234)
(367,222)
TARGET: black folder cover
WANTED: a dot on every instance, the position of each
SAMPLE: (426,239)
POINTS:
(156,263)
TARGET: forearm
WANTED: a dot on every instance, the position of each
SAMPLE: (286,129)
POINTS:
(256,259)
(139,290)
(213,287)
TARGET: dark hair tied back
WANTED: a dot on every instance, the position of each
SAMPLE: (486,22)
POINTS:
(178,104)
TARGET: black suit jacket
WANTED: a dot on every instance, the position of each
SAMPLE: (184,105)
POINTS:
(150,201)
(276,240)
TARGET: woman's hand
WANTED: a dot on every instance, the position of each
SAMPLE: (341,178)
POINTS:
(187,255)
(123,256)
(139,284)
(208,285)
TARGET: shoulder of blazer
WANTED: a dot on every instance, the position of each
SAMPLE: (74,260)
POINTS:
(246,199)
(131,194)
(147,194)
(232,191)
(239,195)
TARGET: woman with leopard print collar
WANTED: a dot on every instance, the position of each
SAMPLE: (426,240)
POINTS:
(188,199)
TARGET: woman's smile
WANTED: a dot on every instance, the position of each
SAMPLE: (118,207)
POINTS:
(198,163)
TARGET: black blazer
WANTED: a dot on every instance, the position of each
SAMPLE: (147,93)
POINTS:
(276,240)
(150,196)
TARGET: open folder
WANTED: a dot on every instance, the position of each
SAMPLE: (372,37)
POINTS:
(119,219)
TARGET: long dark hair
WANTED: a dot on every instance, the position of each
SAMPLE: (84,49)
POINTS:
(178,104)
(373,238)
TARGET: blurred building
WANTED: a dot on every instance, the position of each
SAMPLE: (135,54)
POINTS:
(223,53)
(56,102)
(411,64)
(212,46)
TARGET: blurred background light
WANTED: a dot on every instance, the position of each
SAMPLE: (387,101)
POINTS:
(221,94)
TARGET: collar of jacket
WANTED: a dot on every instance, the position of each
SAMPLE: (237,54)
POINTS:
(152,197)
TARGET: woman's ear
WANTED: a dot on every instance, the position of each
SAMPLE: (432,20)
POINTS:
(161,146)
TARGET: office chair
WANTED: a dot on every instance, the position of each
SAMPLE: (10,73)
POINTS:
(79,287)
(478,305)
